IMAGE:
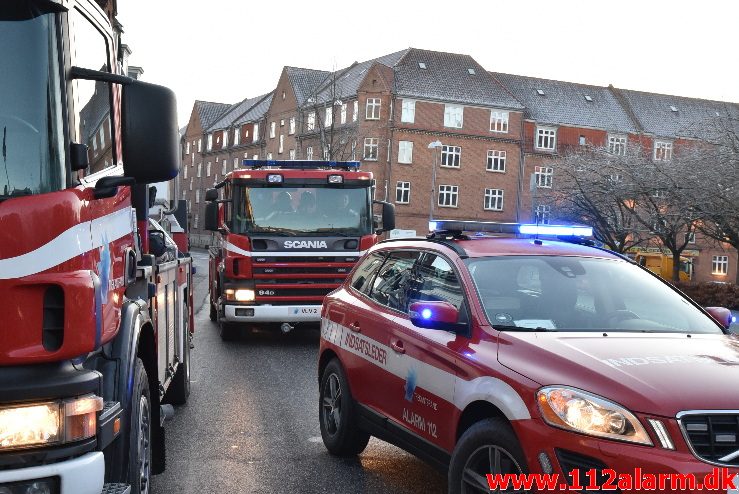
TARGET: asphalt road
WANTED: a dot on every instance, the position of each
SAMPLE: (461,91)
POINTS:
(251,424)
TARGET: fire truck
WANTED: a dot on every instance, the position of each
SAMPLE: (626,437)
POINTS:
(97,307)
(287,234)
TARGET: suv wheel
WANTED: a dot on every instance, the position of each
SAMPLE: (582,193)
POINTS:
(489,446)
(339,430)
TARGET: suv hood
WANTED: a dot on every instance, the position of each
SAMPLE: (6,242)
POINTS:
(660,374)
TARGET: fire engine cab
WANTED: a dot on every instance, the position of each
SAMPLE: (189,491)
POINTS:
(287,233)
(524,353)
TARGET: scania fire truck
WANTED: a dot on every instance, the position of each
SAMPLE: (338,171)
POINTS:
(97,307)
(288,233)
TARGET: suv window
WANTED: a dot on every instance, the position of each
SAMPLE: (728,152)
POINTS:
(435,280)
(389,287)
(362,278)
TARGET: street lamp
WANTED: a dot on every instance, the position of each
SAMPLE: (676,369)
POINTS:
(433,145)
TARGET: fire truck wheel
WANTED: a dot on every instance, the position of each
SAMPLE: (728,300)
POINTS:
(339,429)
(489,446)
(213,312)
(228,331)
(179,390)
(139,459)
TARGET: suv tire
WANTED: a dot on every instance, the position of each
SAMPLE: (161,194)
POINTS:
(339,428)
(471,459)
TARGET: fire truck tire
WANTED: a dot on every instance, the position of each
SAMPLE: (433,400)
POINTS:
(339,425)
(228,331)
(140,450)
(213,312)
(482,446)
(179,390)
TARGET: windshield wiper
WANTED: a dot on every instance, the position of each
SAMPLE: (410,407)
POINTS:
(523,329)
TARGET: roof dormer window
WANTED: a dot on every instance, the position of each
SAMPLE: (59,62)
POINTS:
(421,65)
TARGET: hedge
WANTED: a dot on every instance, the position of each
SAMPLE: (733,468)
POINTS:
(710,294)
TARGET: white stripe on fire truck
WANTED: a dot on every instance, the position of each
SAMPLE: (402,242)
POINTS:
(238,250)
(441,383)
(71,243)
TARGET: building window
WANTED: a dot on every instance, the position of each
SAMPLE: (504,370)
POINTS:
(493,199)
(371,145)
(373,109)
(292,126)
(215,180)
(582,141)
(195,221)
(408,113)
(327,152)
(269,156)
(282,144)
(542,214)
(282,122)
(451,156)
(190,183)
(224,167)
(200,145)
(544,176)
(309,152)
(403,192)
(356,111)
(354,150)
(225,139)
(237,132)
(617,145)
(496,161)
(272,130)
(546,138)
(197,196)
(498,121)
(210,142)
(255,157)
(405,152)
(256,133)
(200,170)
(311,124)
(720,265)
(236,163)
(329,116)
(453,116)
(292,154)
(662,151)
(207,169)
(187,147)
(184,172)
(690,237)
(448,196)
(343,113)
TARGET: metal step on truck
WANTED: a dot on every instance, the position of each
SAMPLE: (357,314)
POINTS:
(97,307)
(287,233)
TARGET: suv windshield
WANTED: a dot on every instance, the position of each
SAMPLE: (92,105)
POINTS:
(311,210)
(581,294)
(31,152)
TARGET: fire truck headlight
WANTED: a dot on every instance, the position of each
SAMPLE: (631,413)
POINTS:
(239,294)
(586,413)
(335,179)
(274,179)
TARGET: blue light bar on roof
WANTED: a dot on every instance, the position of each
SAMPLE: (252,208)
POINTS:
(301,164)
(557,230)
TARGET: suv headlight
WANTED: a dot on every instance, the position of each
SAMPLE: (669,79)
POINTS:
(579,411)
(55,422)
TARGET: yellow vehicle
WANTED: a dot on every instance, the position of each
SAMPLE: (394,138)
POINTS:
(661,265)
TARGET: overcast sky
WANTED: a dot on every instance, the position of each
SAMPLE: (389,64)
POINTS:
(227,50)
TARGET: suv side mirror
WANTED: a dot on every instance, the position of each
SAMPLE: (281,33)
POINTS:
(211,216)
(722,315)
(435,315)
(388,217)
(211,195)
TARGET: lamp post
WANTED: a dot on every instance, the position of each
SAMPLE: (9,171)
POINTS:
(434,145)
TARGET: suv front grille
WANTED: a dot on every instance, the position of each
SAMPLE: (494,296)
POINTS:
(713,436)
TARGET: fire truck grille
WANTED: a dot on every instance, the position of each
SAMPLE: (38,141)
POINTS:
(293,292)
(350,257)
(713,437)
(316,270)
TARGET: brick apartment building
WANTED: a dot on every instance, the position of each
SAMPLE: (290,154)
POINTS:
(487,134)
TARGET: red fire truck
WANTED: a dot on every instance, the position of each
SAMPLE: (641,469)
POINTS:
(288,233)
(97,307)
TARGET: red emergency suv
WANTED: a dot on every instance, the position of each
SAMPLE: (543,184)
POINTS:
(525,355)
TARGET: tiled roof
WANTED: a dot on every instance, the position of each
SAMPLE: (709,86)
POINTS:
(256,112)
(235,113)
(447,77)
(209,112)
(676,116)
(305,81)
(568,103)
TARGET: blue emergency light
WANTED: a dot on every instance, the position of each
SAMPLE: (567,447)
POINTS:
(479,227)
(301,164)
(557,230)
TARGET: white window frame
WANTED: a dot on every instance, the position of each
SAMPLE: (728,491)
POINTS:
(292,154)
(196,221)
(309,153)
(720,265)
(291,130)
(207,169)
(496,161)
(224,166)
(449,194)
(200,170)
(328,122)
(499,121)
(662,151)
(453,116)
(237,135)
(405,152)
(617,144)
(184,172)
(272,130)
(544,176)
(311,121)
(187,147)
(343,113)
(355,115)
(451,153)
(255,138)
(197,196)
(236,163)
(210,142)
(372,109)
(402,192)
(370,144)
(543,212)
(408,111)
(493,200)
(546,138)
(269,156)
(326,152)
(200,145)
(281,146)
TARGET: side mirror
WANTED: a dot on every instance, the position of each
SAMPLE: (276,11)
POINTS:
(435,315)
(388,217)
(211,216)
(150,133)
(722,315)
(211,195)
(157,245)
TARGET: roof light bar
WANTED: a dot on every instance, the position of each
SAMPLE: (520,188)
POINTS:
(301,164)
(557,230)
(510,228)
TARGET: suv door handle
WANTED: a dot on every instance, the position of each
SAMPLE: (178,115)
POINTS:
(354,326)
(397,345)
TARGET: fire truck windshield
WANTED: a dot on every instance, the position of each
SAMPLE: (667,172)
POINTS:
(32,147)
(312,210)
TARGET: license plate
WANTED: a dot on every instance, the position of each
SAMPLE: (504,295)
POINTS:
(305,310)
